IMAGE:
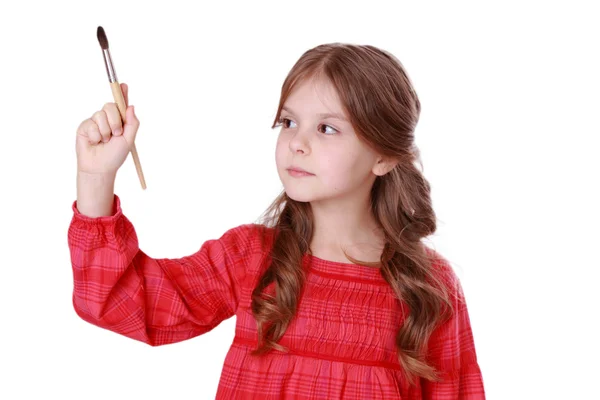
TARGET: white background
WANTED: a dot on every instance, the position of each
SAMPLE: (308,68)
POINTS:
(509,140)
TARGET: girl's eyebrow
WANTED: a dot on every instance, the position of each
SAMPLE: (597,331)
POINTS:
(323,115)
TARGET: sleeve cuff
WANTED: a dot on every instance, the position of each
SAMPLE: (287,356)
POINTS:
(115,214)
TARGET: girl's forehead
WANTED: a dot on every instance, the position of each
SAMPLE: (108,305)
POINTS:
(314,97)
(314,87)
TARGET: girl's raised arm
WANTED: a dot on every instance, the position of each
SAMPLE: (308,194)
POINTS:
(157,301)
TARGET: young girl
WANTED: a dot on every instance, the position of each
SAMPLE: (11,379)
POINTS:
(334,293)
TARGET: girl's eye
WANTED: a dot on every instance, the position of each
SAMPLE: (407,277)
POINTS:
(285,121)
(327,126)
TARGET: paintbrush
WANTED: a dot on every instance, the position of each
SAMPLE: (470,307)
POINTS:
(118,96)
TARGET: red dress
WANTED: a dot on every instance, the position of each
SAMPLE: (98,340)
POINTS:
(341,342)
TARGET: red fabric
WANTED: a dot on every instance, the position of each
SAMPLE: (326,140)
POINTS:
(341,343)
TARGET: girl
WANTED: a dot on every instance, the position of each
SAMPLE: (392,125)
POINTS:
(334,293)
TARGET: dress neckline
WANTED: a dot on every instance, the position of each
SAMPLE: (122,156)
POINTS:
(342,270)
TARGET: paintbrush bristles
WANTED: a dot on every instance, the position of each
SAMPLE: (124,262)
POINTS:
(102,38)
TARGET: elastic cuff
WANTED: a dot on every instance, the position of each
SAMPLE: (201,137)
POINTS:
(115,214)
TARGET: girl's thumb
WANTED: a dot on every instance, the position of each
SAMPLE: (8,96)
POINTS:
(131,125)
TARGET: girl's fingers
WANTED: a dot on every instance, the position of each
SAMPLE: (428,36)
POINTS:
(101,120)
(132,125)
(94,136)
(107,122)
(114,118)
(89,129)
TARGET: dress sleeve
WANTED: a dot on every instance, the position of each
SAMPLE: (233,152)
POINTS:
(157,301)
(451,350)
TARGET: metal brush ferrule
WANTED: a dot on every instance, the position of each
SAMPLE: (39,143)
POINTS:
(110,68)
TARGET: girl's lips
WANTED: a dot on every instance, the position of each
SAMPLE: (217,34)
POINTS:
(298,169)
(297,173)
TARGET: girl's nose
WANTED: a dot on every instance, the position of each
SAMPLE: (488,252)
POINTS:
(299,142)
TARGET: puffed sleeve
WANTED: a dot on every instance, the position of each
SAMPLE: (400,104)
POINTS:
(451,350)
(154,300)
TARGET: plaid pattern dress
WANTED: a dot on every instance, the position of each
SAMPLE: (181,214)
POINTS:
(341,344)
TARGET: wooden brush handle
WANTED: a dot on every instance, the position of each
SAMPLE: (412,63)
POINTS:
(120,100)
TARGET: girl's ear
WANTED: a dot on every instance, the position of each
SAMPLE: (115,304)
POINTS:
(384,165)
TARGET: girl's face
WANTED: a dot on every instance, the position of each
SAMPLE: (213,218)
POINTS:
(316,136)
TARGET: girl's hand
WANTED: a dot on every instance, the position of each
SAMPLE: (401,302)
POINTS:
(103,142)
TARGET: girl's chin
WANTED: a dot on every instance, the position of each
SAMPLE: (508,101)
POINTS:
(302,196)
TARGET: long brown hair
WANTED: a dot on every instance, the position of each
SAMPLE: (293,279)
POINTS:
(383,108)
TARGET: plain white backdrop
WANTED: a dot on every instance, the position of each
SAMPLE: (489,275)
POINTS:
(509,136)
